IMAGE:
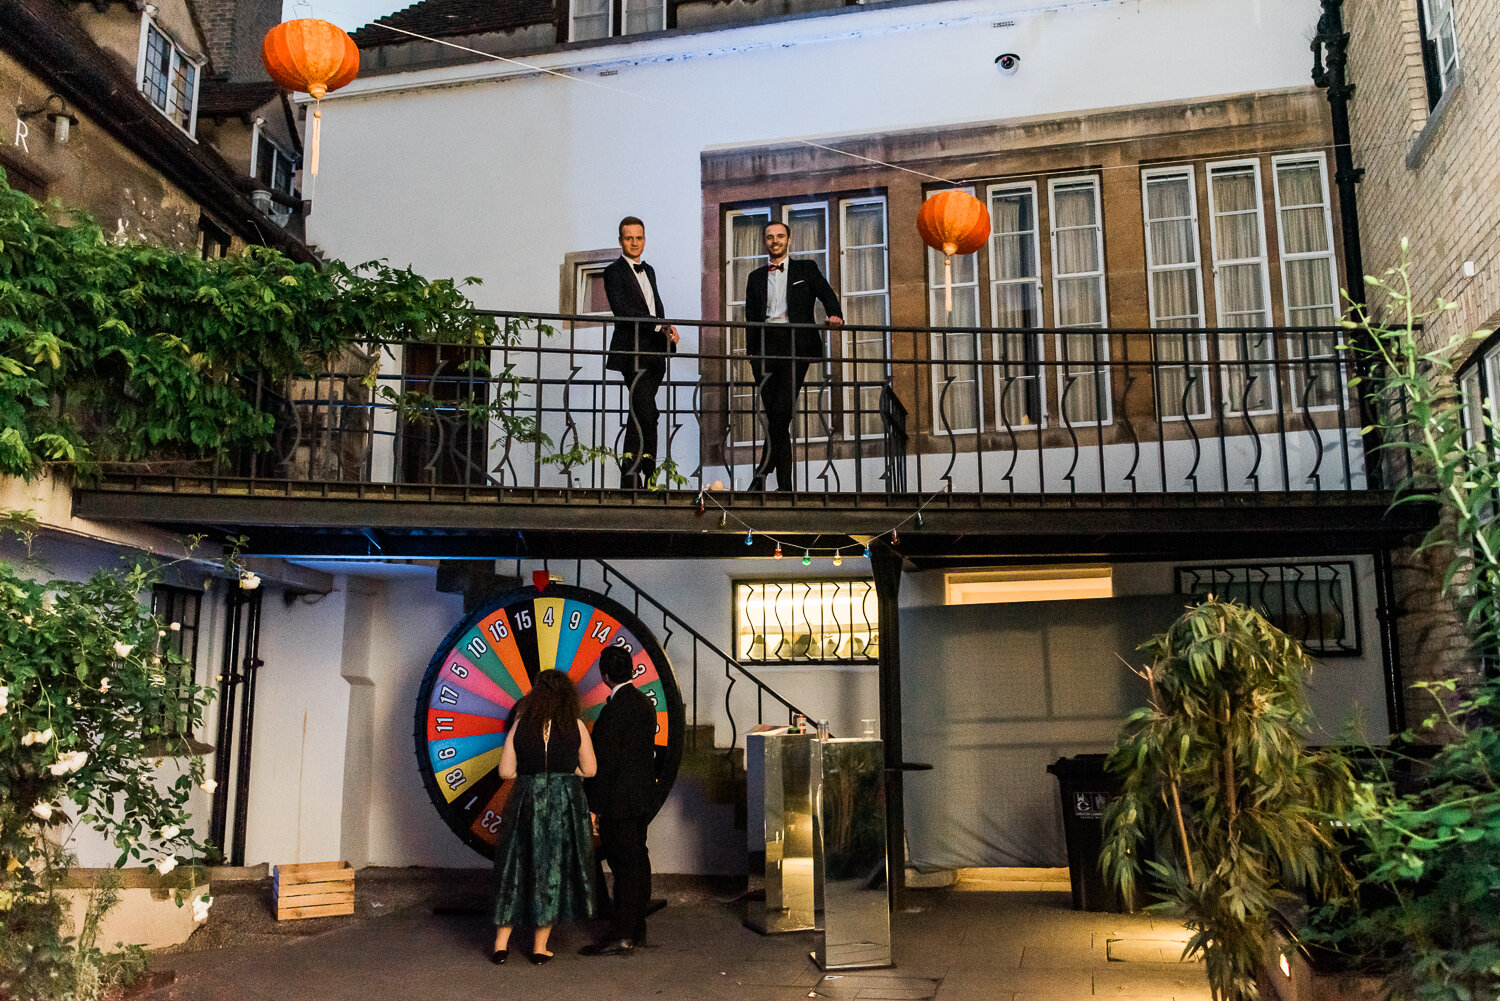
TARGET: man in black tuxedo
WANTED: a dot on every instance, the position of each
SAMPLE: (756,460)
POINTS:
(622,796)
(638,351)
(783,292)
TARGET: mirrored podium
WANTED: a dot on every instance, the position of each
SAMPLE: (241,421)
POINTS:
(824,826)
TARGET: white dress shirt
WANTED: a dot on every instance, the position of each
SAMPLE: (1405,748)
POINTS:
(645,283)
(776,292)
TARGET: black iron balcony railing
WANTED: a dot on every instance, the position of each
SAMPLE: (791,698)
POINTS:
(1037,415)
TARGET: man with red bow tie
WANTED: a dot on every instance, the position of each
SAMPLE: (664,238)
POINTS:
(777,296)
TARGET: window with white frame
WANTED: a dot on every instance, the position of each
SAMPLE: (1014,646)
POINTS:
(1078,299)
(1309,280)
(1016,305)
(1242,289)
(1174,286)
(277,170)
(807,230)
(865,301)
(1479,383)
(590,19)
(953,301)
(1439,47)
(744,251)
(167,76)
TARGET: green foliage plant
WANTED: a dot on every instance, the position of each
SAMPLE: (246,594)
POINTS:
(117,351)
(1218,787)
(88,720)
(1428,831)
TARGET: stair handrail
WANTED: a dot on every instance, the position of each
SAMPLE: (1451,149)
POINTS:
(732,667)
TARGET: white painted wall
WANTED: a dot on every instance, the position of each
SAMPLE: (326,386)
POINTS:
(497,171)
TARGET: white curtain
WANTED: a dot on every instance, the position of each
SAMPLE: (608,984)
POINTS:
(954,356)
(1182,388)
(1080,301)
(1240,286)
(644,15)
(865,301)
(1311,286)
(746,253)
(1016,298)
(590,19)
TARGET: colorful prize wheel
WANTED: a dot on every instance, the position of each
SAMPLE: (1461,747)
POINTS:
(487,663)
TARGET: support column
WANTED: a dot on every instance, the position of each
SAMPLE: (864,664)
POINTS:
(885,565)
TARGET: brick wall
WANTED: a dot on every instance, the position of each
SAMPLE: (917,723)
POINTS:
(1435,180)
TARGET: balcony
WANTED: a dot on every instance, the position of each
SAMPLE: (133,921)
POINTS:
(1014,440)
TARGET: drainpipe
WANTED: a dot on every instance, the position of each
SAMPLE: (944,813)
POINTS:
(1330,56)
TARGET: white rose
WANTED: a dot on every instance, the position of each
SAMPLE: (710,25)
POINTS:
(176,627)
(249,581)
(43,810)
(165,864)
(123,649)
(4,697)
(209,785)
(201,906)
(170,831)
(103,685)
(161,632)
(36,737)
(70,762)
(44,736)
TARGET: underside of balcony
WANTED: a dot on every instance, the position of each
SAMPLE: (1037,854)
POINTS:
(411,521)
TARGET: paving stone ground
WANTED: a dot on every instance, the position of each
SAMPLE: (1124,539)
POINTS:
(423,934)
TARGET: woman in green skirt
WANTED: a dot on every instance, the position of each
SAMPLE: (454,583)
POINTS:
(544,856)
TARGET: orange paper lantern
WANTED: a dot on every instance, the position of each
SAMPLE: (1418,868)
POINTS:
(310,55)
(953,222)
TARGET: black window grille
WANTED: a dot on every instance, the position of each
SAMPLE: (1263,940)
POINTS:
(806,621)
(1316,603)
(178,609)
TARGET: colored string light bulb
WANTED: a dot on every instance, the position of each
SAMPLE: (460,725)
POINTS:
(895,537)
(919,519)
(750,538)
(777,554)
(838,557)
(807,557)
(867,552)
(723,518)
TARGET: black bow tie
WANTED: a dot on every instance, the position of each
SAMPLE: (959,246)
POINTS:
(639,268)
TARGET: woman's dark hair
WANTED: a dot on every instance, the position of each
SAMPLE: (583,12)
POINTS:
(552,697)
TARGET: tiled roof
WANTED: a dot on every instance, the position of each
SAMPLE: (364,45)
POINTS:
(216,97)
(448,18)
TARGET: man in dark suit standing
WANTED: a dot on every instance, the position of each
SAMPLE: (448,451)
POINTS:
(783,292)
(622,796)
(638,351)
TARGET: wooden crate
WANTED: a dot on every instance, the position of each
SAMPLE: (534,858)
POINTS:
(313,890)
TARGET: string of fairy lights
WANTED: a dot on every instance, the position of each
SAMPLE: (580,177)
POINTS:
(836,554)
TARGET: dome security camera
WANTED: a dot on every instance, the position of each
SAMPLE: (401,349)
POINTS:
(1008,62)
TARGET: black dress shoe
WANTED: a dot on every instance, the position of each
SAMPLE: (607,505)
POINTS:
(538,958)
(614,947)
(499,956)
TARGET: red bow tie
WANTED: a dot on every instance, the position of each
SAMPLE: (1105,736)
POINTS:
(777,267)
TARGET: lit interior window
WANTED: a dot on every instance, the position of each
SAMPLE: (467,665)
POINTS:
(801,622)
(1029,584)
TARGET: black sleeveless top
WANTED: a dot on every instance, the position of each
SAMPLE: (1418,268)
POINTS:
(559,754)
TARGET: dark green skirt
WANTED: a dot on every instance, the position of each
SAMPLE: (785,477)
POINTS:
(544,856)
